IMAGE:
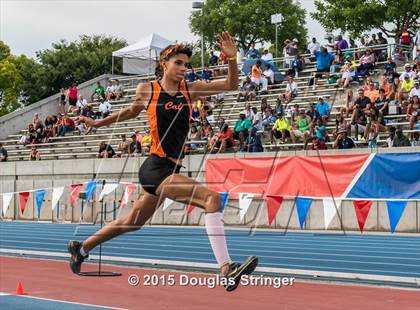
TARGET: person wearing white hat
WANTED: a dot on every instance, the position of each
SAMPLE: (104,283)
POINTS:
(408,71)
(415,91)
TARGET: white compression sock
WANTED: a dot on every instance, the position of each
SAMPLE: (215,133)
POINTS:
(216,233)
(82,252)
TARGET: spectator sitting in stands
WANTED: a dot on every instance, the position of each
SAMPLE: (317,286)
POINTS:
(257,76)
(362,103)
(253,142)
(118,89)
(340,124)
(312,112)
(413,112)
(39,131)
(104,108)
(408,71)
(268,119)
(415,91)
(400,140)
(194,135)
(192,76)
(385,85)
(381,104)
(205,129)
(301,127)
(134,148)
(225,139)
(323,62)
(372,93)
(34,154)
(81,127)
(347,75)
(72,97)
(415,141)
(247,90)
(257,119)
(341,43)
(105,151)
(243,124)
(323,109)
(123,147)
(195,112)
(298,64)
(81,104)
(349,104)
(291,89)
(67,125)
(50,131)
(32,133)
(313,47)
(281,130)
(253,52)
(99,92)
(269,74)
(3,153)
(110,91)
(338,61)
(266,55)
(35,119)
(146,142)
(390,68)
(213,59)
(207,75)
(367,62)
(318,144)
(342,141)
(248,111)
(406,86)
(318,129)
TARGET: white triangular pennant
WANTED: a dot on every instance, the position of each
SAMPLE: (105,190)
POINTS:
(7,198)
(106,190)
(167,203)
(56,195)
(330,210)
(245,200)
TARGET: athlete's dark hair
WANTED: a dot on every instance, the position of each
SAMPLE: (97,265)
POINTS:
(169,52)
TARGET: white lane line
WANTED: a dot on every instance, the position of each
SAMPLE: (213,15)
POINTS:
(62,301)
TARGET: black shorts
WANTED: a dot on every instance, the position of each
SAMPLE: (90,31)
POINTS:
(154,171)
(72,102)
(320,72)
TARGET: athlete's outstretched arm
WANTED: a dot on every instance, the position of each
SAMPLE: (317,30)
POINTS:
(143,93)
(228,47)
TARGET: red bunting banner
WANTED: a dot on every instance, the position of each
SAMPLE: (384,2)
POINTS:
(129,190)
(23,199)
(190,209)
(362,208)
(75,189)
(273,205)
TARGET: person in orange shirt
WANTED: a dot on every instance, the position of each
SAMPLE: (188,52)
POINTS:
(384,84)
(372,93)
(257,76)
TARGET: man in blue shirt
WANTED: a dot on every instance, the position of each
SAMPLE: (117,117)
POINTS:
(323,62)
(253,52)
(323,109)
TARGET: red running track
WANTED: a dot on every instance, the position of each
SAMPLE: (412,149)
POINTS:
(53,279)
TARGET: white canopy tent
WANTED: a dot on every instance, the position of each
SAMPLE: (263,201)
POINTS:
(141,57)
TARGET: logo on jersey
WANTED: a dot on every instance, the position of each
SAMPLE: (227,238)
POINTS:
(172,106)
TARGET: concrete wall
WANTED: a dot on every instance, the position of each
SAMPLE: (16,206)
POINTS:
(13,122)
(21,176)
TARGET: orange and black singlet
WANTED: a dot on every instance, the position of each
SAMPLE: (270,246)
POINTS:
(169,120)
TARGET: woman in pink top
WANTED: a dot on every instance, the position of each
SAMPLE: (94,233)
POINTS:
(72,97)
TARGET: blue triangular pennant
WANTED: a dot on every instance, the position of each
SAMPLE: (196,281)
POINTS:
(225,198)
(395,210)
(39,194)
(302,206)
(90,189)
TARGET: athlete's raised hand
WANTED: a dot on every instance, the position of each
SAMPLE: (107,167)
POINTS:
(87,120)
(227,44)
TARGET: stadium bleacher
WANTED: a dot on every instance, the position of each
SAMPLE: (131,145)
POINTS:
(74,145)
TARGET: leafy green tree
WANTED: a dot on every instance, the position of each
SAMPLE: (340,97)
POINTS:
(10,81)
(358,17)
(249,21)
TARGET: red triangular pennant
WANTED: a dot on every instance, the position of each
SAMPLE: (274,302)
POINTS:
(23,199)
(190,209)
(362,208)
(75,189)
(273,205)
